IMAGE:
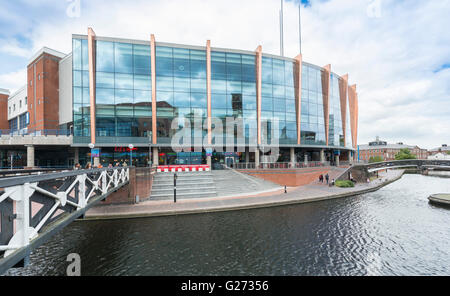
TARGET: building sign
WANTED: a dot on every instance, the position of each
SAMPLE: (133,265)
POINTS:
(95,152)
(124,149)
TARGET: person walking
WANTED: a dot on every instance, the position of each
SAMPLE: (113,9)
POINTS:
(327,177)
(321,178)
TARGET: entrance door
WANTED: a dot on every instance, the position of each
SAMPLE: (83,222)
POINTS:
(229,161)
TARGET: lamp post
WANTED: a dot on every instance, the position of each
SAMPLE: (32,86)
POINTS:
(91,145)
(131,154)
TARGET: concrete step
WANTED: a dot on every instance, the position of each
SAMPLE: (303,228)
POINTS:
(183,180)
(181,184)
(182,190)
(186,194)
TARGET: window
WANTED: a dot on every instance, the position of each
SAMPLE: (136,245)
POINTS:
(14,107)
(20,104)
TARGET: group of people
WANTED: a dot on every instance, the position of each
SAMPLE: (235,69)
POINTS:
(77,166)
(327,178)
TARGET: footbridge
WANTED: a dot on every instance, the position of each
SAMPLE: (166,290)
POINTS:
(361,172)
(35,207)
(421,164)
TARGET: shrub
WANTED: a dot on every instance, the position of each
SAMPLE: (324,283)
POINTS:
(344,183)
(373,159)
(405,154)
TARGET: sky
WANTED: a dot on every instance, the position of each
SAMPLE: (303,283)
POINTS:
(397,52)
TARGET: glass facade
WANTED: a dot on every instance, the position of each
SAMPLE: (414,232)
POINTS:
(123,107)
(80,95)
(278,99)
(180,91)
(312,115)
(233,93)
(123,92)
(335,130)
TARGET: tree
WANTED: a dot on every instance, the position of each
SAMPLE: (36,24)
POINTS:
(405,153)
(373,159)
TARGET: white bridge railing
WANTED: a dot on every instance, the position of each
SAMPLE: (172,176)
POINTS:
(28,204)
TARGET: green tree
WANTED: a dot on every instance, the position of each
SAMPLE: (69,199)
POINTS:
(377,158)
(448,152)
(405,154)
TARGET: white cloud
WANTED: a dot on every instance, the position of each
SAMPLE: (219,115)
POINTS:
(14,80)
(392,58)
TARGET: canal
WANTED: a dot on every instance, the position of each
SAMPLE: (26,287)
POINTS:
(393,231)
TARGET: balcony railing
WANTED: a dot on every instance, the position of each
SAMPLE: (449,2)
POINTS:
(278,165)
(44,132)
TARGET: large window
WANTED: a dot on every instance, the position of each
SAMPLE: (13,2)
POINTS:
(123,92)
(278,100)
(181,90)
(233,93)
(80,82)
(336,132)
(312,116)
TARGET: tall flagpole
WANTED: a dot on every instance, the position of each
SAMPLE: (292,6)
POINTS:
(281,31)
(300,25)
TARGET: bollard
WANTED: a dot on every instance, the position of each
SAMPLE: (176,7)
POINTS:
(175,188)
(285,189)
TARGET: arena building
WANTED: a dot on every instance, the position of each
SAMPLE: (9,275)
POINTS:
(115,92)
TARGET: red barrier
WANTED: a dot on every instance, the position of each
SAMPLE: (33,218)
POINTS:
(183,168)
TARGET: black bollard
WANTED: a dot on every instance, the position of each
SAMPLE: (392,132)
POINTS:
(285,189)
(175,188)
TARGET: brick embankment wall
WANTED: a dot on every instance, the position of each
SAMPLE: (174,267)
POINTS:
(291,178)
(359,173)
(141,180)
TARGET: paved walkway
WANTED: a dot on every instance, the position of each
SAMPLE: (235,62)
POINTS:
(302,194)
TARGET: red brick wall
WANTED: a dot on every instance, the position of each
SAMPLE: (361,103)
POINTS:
(4,112)
(140,184)
(46,99)
(291,178)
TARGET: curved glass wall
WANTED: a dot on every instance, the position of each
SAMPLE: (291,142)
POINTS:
(124,95)
(336,133)
(312,114)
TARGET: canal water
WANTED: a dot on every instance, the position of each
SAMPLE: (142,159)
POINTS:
(393,231)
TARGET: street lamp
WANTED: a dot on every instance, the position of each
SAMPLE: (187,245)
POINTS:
(131,153)
(91,145)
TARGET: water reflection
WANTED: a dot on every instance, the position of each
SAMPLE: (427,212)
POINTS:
(393,231)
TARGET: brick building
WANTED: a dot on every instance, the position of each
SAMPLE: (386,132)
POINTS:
(388,151)
(4,95)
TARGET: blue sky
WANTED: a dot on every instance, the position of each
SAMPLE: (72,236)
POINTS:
(397,52)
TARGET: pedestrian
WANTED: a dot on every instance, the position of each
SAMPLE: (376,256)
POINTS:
(321,178)
(88,165)
(327,177)
(110,165)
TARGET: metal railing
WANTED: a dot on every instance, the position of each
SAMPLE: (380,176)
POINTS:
(278,165)
(34,202)
(34,133)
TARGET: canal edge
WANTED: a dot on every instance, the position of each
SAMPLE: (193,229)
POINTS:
(240,207)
